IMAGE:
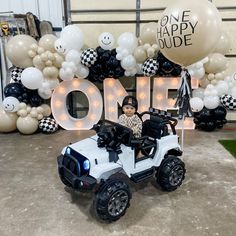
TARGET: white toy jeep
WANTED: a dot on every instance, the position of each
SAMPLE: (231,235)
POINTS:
(93,162)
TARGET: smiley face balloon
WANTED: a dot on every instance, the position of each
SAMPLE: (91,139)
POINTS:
(60,46)
(106,40)
(11,104)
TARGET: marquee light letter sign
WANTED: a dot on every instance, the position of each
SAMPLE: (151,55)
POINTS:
(60,111)
(114,93)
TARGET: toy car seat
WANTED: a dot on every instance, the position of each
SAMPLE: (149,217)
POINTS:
(155,127)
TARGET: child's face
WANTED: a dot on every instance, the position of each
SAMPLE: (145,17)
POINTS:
(128,110)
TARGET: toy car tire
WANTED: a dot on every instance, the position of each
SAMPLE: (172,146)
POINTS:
(112,200)
(171,173)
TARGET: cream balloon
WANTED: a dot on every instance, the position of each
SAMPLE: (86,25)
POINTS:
(7,121)
(17,50)
(58,60)
(27,125)
(47,42)
(50,72)
(217,62)
(188,31)
(140,54)
(38,63)
(148,33)
(46,110)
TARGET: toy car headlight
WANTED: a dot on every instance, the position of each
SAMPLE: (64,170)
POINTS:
(86,165)
(68,150)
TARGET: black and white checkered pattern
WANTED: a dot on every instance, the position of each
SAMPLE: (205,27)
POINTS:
(89,57)
(150,67)
(228,101)
(15,74)
(48,125)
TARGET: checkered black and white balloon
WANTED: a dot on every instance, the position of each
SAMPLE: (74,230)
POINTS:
(150,67)
(15,74)
(48,125)
(228,101)
(89,57)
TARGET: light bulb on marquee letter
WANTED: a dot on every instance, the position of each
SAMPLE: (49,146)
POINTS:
(60,112)
(114,93)
(143,94)
(161,100)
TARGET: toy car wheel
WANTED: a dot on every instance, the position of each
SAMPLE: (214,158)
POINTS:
(112,200)
(171,173)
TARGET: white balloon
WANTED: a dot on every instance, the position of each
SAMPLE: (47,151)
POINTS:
(211,102)
(53,83)
(118,49)
(127,73)
(124,52)
(128,40)
(106,40)
(73,56)
(199,92)
(128,62)
(118,56)
(222,87)
(66,75)
(209,91)
(82,71)
(199,73)
(60,46)
(11,104)
(72,37)
(45,93)
(32,78)
(196,104)
(233,92)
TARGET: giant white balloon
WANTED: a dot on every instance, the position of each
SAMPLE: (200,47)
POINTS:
(188,30)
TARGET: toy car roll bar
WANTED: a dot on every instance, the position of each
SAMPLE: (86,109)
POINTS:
(164,117)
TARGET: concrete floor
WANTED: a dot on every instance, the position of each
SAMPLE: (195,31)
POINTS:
(33,201)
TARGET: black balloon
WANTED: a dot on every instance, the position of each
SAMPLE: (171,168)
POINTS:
(35,100)
(209,120)
(220,113)
(106,66)
(167,67)
(13,90)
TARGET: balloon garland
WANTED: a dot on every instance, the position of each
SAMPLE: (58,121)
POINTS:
(38,67)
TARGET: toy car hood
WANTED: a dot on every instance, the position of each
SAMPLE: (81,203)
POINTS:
(89,149)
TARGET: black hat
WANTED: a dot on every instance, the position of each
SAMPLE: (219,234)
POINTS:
(130,100)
